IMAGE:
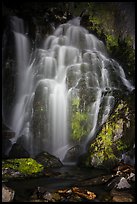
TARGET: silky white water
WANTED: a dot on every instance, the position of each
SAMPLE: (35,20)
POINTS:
(69,55)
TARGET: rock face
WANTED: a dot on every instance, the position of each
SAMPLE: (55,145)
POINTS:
(7,194)
(48,160)
(7,134)
(113,141)
(18,151)
(72,154)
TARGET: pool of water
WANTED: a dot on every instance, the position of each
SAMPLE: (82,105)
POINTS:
(64,177)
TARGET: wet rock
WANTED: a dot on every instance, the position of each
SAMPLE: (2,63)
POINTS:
(18,151)
(72,154)
(113,183)
(129,157)
(10,173)
(47,196)
(7,194)
(44,195)
(48,160)
(122,199)
(123,184)
(131,177)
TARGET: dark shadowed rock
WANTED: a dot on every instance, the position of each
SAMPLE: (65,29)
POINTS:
(72,154)
(7,134)
(18,151)
(48,160)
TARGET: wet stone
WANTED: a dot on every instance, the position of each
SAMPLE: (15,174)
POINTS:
(122,199)
(123,184)
(47,196)
(56,196)
(7,194)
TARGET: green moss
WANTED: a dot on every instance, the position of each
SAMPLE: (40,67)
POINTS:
(102,147)
(26,166)
(79,121)
(111,142)
(121,146)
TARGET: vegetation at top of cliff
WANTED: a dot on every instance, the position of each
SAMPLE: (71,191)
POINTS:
(104,25)
(26,166)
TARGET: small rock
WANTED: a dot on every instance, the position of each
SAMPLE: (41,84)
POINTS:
(123,184)
(69,191)
(47,196)
(7,194)
(131,177)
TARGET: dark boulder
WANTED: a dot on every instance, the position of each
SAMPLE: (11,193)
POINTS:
(72,154)
(48,160)
(18,151)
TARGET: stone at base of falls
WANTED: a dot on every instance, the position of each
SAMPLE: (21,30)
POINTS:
(18,151)
(48,160)
(7,194)
(72,154)
(123,184)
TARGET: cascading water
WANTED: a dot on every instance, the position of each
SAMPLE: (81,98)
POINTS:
(69,57)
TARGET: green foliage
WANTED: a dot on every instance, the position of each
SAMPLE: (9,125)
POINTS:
(102,147)
(120,47)
(79,121)
(111,42)
(110,141)
(121,146)
(78,125)
(27,166)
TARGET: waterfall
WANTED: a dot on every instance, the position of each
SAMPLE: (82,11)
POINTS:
(69,57)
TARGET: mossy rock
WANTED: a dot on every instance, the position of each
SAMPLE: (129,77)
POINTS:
(21,167)
(112,141)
